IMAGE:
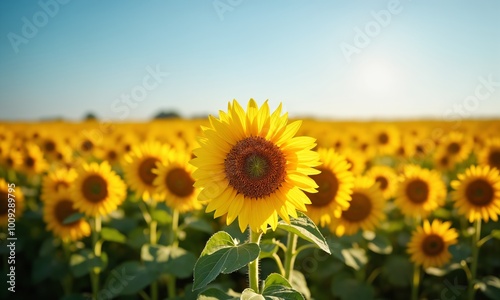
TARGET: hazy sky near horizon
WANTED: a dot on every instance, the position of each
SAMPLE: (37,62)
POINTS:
(128,59)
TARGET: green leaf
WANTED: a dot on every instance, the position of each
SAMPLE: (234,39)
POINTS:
(222,255)
(215,294)
(267,248)
(73,218)
(49,246)
(443,270)
(460,251)
(249,294)
(398,270)
(126,279)
(378,243)
(490,286)
(168,259)
(299,283)
(355,257)
(162,217)
(336,249)
(47,266)
(277,287)
(83,262)
(306,229)
(112,235)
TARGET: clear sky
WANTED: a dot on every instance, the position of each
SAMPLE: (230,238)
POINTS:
(124,59)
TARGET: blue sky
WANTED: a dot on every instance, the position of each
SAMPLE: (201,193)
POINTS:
(328,59)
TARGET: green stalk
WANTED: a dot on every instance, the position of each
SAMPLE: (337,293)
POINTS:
(475,254)
(96,245)
(253,267)
(290,255)
(416,282)
(173,241)
(152,241)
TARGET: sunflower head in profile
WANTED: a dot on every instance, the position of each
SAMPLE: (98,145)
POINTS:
(139,167)
(429,244)
(477,193)
(420,191)
(366,209)
(387,179)
(5,200)
(97,190)
(57,182)
(334,188)
(251,167)
(56,210)
(490,154)
(174,182)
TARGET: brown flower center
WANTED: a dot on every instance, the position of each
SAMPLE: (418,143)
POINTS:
(87,146)
(49,146)
(255,167)
(146,170)
(383,138)
(479,192)
(63,210)
(95,188)
(433,245)
(29,162)
(453,148)
(359,208)
(4,202)
(10,162)
(383,182)
(179,182)
(328,185)
(417,191)
(494,158)
(112,155)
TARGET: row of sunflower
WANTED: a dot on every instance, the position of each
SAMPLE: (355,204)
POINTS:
(406,207)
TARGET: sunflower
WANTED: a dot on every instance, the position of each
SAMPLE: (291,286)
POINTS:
(174,181)
(429,244)
(97,190)
(334,188)
(59,208)
(33,161)
(12,159)
(357,160)
(251,166)
(490,155)
(139,165)
(11,201)
(57,182)
(477,193)
(387,179)
(366,208)
(420,191)
(457,145)
(386,139)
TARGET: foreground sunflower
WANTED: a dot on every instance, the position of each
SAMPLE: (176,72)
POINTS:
(420,191)
(139,166)
(429,244)
(174,182)
(98,190)
(477,193)
(16,197)
(334,188)
(366,209)
(251,167)
(59,208)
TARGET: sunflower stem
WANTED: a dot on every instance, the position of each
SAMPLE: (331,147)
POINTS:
(96,246)
(253,267)
(173,241)
(290,255)
(67,281)
(277,259)
(416,282)
(475,253)
(152,241)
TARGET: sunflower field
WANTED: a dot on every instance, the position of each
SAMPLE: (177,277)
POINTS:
(250,204)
